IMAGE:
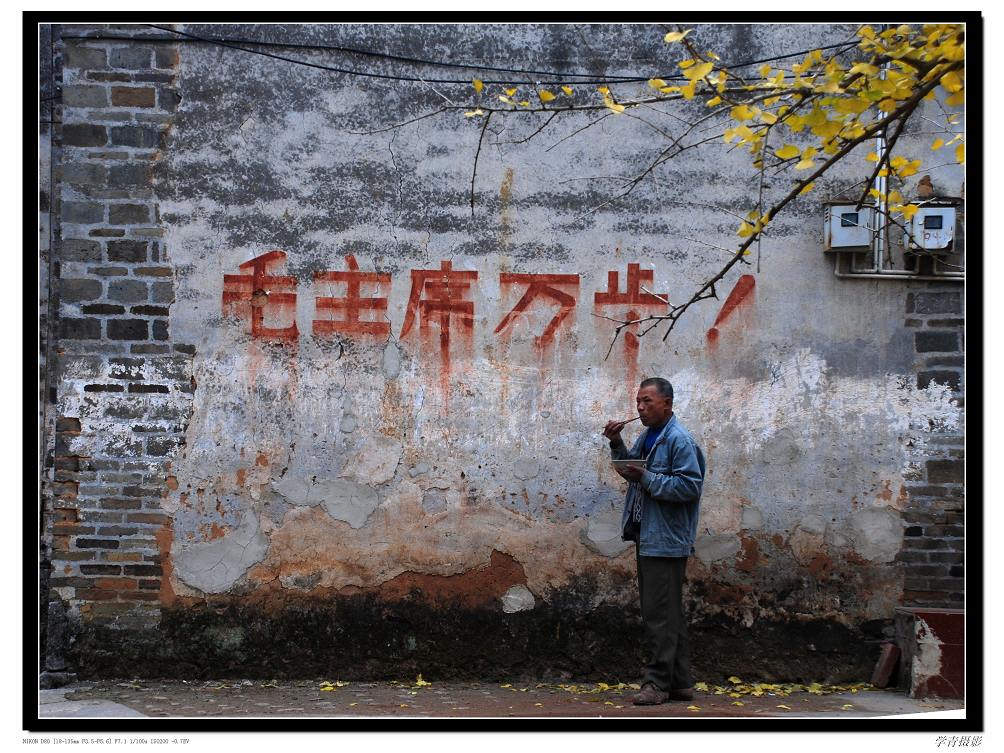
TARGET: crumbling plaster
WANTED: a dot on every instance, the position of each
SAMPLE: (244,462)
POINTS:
(347,462)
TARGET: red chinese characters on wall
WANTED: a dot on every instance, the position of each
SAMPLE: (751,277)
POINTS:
(740,296)
(352,304)
(441,303)
(542,286)
(263,298)
(441,297)
(634,300)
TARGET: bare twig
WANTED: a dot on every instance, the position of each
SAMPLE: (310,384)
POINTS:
(712,245)
(579,130)
(545,124)
(477,154)
(401,125)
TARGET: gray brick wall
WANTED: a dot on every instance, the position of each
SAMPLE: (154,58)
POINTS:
(123,388)
(934,534)
(46,315)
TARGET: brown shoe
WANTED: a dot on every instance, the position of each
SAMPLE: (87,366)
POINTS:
(680,694)
(649,695)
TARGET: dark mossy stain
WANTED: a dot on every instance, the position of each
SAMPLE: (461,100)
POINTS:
(813,651)
(361,637)
(358,637)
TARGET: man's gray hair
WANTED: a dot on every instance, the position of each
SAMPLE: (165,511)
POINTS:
(663,385)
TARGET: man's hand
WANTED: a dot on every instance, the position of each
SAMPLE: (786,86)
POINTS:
(612,430)
(632,473)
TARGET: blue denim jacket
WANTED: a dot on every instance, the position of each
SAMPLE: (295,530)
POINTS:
(670,491)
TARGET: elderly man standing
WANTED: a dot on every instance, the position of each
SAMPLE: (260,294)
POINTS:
(660,516)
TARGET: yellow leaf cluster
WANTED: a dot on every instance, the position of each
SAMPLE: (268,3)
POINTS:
(676,36)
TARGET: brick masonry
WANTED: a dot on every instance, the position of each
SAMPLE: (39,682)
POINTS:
(933,552)
(121,389)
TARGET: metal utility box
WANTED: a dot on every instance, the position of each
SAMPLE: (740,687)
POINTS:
(931,229)
(847,227)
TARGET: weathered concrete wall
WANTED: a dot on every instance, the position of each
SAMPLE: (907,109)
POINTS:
(276,454)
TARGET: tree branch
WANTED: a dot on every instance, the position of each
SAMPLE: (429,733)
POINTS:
(477,154)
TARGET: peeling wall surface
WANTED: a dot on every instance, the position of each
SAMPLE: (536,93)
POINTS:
(389,394)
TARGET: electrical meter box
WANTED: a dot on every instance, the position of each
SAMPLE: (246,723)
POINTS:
(847,227)
(931,229)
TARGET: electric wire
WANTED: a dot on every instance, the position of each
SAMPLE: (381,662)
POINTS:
(562,77)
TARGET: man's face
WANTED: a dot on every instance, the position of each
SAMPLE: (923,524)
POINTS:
(653,408)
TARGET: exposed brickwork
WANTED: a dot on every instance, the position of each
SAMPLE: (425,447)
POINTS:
(121,401)
(934,534)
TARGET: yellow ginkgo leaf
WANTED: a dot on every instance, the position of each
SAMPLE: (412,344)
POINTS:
(567,90)
(524,103)
(702,686)
(510,92)
(420,683)
(951,81)
(866,68)
(670,89)
(684,64)
(738,703)
(804,164)
(782,706)
(872,157)
(768,117)
(745,230)
(693,708)
(938,143)
(787,151)
(676,36)
(473,113)
(959,98)
(545,95)
(699,71)
(656,83)
(478,85)
(765,70)
(713,102)
(603,90)
(909,169)
(741,113)
(960,153)
(847,706)
(689,90)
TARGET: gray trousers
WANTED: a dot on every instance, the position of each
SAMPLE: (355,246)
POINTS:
(660,585)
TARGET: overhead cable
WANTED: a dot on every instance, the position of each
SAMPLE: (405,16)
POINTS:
(562,77)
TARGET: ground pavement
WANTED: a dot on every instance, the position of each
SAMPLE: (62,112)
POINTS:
(420,698)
